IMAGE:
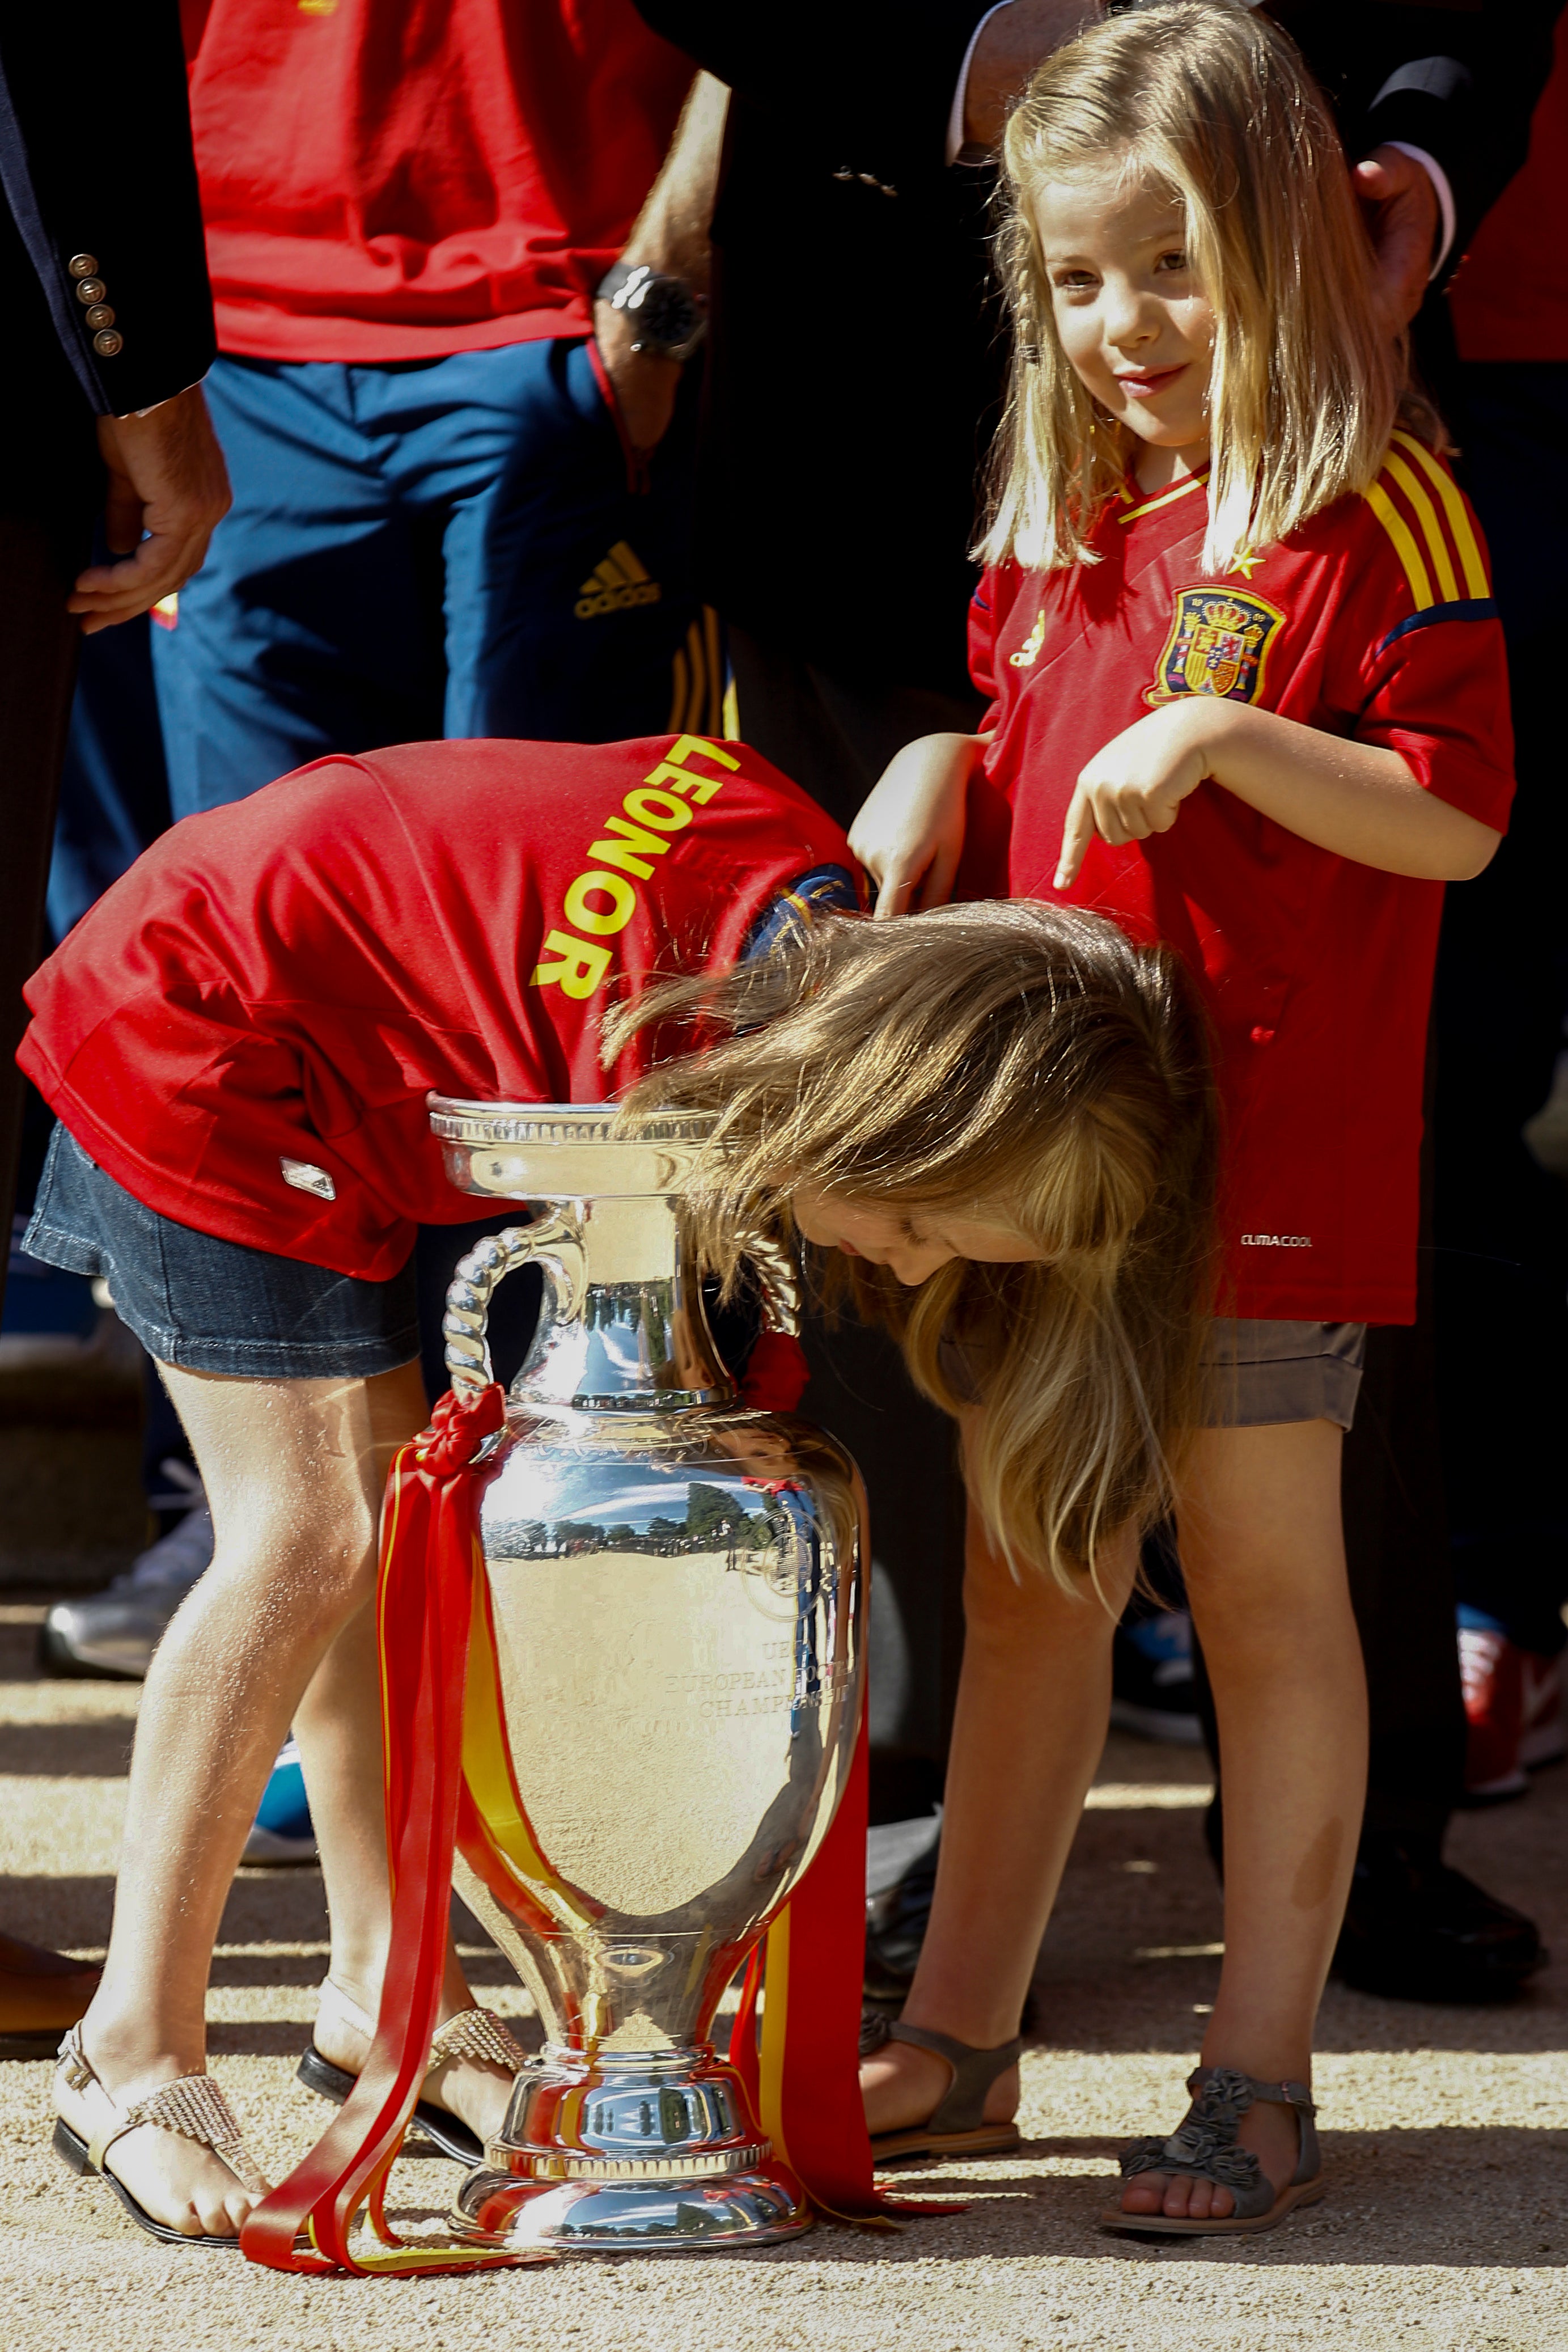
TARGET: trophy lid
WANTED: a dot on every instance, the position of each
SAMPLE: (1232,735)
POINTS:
(565,1151)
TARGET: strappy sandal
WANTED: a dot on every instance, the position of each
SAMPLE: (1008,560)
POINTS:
(1204,2147)
(192,2106)
(955,2126)
(476,2033)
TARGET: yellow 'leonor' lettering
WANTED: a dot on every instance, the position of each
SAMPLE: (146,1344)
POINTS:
(621,897)
(622,853)
(659,809)
(577,969)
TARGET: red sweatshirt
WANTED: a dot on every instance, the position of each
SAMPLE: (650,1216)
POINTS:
(398,179)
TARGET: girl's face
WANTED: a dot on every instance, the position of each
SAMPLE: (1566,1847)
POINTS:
(914,1242)
(1134,321)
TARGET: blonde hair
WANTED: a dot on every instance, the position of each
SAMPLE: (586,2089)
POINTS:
(1213,102)
(1020,1061)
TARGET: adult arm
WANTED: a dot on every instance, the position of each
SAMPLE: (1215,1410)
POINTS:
(670,235)
(1011,42)
(1436,103)
(1458,83)
(81,194)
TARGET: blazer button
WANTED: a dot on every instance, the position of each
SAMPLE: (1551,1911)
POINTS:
(82,265)
(90,289)
(100,315)
(110,343)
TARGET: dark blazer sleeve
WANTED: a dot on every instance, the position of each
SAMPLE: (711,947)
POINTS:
(1461,82)
(97,169)
(873,79)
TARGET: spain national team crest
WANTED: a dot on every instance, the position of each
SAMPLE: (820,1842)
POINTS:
(1218,644)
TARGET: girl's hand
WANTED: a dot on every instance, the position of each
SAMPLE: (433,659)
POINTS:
(909,835)
(1135,785)
(1355,800)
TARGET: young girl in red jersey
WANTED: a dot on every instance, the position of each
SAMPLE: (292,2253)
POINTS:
(239,1039)
(1248,697)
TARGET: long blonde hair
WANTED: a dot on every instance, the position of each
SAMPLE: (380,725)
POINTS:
(1213,102)
(1020,1061)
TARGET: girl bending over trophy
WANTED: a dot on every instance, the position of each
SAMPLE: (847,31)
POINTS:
(1007,1108)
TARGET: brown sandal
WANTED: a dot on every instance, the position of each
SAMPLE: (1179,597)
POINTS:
(955,2126)
(1204,2147)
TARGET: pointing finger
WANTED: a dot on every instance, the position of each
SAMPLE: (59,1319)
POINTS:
(1076,835)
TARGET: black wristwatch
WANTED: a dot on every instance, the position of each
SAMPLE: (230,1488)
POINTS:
(669,318)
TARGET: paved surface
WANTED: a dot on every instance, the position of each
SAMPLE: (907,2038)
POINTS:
(1446,2130)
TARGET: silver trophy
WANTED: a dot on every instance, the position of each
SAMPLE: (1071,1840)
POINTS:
(663,1688)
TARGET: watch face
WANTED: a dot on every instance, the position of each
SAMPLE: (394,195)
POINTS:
(665,316)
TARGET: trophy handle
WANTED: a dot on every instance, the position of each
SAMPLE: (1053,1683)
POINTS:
(778,1278)
(555,1241)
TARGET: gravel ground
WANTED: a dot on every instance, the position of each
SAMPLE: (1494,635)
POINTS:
(1446,2131)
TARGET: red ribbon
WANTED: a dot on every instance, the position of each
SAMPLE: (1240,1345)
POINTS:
(428,1558)
(775,1373)
(803,2078)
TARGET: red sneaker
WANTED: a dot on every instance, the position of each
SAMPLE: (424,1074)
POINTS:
(1491,1670)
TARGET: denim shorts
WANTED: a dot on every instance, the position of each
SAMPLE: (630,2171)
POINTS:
(211,1306)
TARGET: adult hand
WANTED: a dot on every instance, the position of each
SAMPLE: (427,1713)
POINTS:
(168,490)
(1137,785)
(1010,44)
(909,833)
(1400,207)
(645,385)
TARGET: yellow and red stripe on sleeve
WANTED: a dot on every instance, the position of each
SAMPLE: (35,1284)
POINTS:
(1432,533)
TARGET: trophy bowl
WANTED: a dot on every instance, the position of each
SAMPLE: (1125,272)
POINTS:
(663,1688)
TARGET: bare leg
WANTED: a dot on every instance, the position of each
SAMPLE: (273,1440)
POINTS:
(294,1471)
(1033,1701)
(1263,1554)
(338,1724)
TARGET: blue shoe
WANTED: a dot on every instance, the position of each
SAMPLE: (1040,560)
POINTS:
(283,1833)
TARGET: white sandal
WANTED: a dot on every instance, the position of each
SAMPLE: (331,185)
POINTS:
(476,2033)
(192,2105)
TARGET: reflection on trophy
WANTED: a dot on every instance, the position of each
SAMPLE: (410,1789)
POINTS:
(664,1689)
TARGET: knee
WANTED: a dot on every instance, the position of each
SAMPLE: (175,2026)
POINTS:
(1268,1628)
(311,1575)
(1029,1610)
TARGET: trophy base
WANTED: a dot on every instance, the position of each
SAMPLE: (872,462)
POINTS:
(710,2216)
(628,2152)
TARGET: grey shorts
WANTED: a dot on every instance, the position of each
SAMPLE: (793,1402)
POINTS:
(212,1306)
(1265,1372)
(1261,1372)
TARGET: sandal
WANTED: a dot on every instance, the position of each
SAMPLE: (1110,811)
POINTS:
(1204,2147)
(476,2033)
(955,2126)
(192,2106)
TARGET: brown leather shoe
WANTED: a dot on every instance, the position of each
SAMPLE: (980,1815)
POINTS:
(41,1993)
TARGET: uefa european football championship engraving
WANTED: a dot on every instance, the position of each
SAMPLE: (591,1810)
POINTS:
(663,1687)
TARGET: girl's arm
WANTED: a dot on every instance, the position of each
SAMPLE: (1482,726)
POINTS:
(1358,800)
(909,835)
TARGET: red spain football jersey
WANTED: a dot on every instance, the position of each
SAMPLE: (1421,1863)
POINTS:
(243,1030)
(1375,621)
